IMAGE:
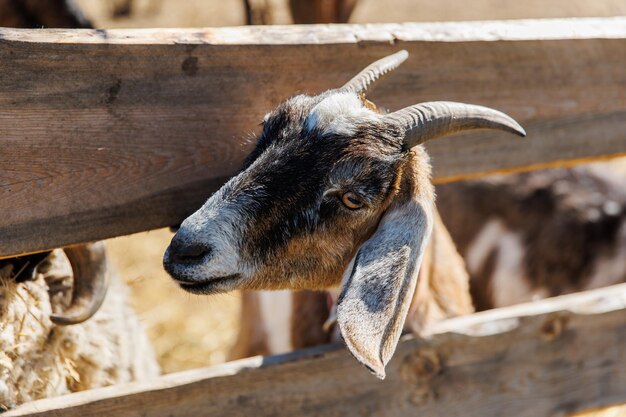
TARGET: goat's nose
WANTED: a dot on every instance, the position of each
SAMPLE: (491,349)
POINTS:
(188,252)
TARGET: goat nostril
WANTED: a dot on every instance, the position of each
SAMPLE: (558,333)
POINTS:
(190,252)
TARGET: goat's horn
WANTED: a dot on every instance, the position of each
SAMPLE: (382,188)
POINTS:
(89,266)
(373,72)
(431,120)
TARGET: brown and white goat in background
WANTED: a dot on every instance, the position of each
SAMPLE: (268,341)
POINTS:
(538,234)
(335,193)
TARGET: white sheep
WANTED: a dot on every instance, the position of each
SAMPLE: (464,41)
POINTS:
(40,359)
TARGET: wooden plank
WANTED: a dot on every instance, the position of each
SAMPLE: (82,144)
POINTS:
(110,132)
(548,358)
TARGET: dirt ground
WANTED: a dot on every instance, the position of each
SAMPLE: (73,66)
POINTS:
(189,331)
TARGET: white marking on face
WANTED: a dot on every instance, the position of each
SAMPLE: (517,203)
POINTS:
(339,114)
(276,314)
(216,224)
(609,270)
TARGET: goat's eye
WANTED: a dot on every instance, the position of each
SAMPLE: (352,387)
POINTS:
(351,200)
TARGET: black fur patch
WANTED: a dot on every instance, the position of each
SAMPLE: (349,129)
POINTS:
(281,189)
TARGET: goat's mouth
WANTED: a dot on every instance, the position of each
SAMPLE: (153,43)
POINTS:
(212,285)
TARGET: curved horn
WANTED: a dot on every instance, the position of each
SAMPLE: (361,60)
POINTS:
(431,120)
(373,72)
(89,265)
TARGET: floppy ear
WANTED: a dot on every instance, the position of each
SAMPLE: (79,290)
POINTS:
(379,284)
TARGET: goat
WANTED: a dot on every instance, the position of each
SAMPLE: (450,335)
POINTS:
(40,358)
(506,230)
(510,225)
(333,193)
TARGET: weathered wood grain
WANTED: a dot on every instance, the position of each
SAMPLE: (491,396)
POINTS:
(548,358)
(105,133)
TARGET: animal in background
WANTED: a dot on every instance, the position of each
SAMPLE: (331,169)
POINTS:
(538,234)
(335,193)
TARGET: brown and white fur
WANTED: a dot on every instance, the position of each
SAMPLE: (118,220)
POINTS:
(334,194)
(538,234)
(274,322)
(506,227)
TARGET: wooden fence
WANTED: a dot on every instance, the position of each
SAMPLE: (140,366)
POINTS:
(548,358)
(106,133)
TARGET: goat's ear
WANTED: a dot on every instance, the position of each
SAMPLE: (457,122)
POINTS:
(379,284)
